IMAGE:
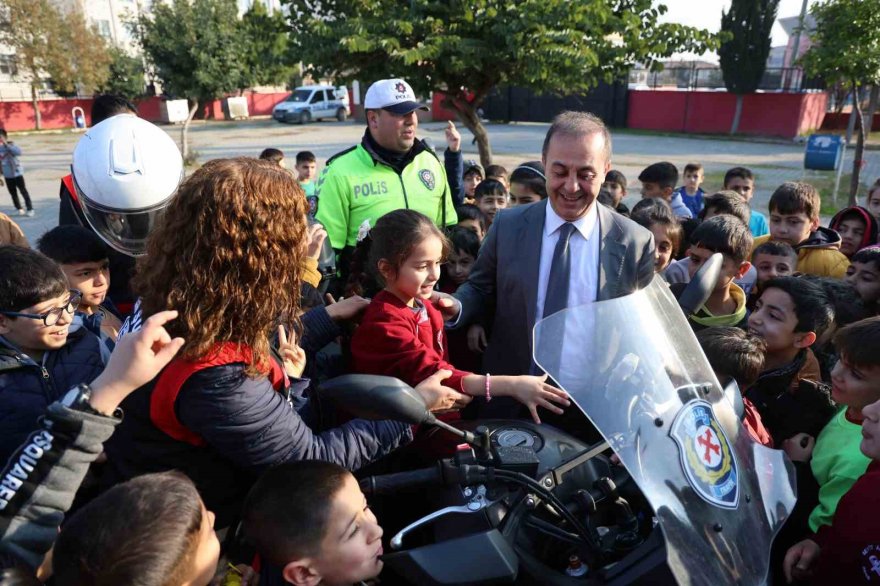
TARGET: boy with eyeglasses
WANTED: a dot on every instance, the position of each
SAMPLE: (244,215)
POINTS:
(41,355)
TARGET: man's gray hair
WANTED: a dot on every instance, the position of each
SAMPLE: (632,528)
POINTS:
(578,124)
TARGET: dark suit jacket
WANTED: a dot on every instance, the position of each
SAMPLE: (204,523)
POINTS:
(506,271)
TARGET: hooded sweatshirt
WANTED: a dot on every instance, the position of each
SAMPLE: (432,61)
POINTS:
(818,255)
(871,229)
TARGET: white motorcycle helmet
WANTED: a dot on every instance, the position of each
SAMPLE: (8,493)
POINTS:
(125,171)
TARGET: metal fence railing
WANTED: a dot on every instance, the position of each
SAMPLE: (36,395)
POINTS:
(791,79)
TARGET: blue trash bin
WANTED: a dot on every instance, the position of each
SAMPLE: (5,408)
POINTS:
(824,152)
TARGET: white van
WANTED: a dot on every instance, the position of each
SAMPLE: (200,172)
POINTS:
(313,102)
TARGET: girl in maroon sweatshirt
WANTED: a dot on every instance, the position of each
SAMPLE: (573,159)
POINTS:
(401,333)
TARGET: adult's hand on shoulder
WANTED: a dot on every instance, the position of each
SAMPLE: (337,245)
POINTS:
(346,308)
(449,306)
(136,360)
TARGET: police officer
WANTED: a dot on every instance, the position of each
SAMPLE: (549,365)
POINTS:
(389,170)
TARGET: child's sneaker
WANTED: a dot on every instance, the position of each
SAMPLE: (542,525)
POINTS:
(30,213)
(21,211)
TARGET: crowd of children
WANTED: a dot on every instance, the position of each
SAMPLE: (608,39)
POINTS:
(793,320)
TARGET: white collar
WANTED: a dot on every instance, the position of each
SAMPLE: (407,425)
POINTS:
(586,224)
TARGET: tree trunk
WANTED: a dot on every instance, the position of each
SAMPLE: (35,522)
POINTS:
(184,132)
(467,112)
(860,149)
(38,118)
(734,126)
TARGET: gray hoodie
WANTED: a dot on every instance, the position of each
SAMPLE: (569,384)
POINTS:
(40,480)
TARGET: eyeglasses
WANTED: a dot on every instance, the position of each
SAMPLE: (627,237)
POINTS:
(51,317)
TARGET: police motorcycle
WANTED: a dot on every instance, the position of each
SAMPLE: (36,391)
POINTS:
(689,497)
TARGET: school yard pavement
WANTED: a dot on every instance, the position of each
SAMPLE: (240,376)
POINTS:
(47,156)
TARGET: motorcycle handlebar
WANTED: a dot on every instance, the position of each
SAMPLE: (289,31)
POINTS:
(390,483)
(445,472)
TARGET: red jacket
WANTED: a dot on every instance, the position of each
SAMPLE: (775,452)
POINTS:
(390,341)
(851,544)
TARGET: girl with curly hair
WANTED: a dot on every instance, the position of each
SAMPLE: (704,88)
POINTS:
(226,256)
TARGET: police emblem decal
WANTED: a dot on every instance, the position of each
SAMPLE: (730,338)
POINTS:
(707,459)
(427,177)
(401,89)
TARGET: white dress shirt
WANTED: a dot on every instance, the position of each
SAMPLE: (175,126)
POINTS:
(584,252)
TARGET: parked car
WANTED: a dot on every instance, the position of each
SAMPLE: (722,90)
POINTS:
(313,102)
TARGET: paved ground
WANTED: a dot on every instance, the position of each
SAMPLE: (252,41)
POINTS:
(47,156)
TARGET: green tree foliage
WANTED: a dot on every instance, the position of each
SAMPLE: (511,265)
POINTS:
(743,54)
(265,43)
(846,49)
(465,48)
(194,46)
(126,75)
(48,43)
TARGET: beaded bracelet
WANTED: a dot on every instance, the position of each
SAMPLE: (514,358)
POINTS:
(488,387)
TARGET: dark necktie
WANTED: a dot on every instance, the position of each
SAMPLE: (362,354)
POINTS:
(560,273)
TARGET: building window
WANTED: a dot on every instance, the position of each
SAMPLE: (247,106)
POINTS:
(103,28)
(8,65)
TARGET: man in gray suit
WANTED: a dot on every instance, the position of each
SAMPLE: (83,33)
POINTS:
(561,252)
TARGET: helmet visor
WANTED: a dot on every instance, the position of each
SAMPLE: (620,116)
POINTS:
(125,231)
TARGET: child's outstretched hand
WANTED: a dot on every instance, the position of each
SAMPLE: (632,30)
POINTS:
(453,137)
(799,448)
(293,357)
(534,392)
(800,559)
(136,360)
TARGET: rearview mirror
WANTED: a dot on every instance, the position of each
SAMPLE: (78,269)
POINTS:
(701,286)
(375,397)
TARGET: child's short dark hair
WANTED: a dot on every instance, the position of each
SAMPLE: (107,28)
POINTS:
(109,105)
(796,197)
(3,132)
(845,301)
(28,277)
(868,255)
(651,211)
(305,157)
(155,544)
(72,244)
(738,173)
(776,248)
(489,187)
(617,177)
(496,171)
(811,305)
(727,202)
(725,234)
(465,240)
(733,353)
(664,174)
(273,155)
(531,176)
(468,211)
(693,167)
(286,512)
(857,343)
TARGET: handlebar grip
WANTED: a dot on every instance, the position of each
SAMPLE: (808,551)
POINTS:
(390,483)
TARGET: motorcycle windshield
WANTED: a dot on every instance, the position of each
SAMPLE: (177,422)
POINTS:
(635,368)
